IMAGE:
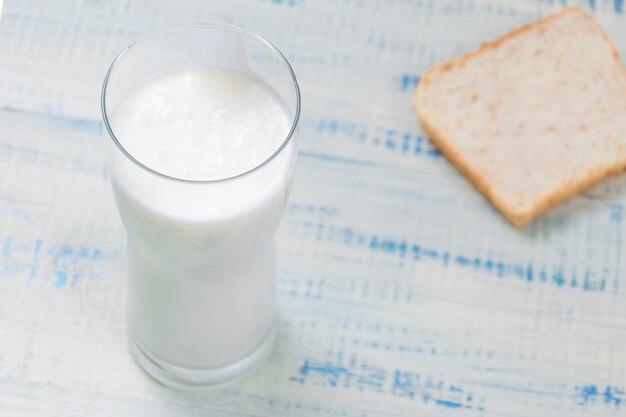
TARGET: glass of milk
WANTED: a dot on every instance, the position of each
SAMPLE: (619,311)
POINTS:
(201,119)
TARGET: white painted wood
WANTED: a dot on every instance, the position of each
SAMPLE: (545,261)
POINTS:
(401,291)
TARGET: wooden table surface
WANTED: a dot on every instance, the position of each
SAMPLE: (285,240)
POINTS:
(401,292)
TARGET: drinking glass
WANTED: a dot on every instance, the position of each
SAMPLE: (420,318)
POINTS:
(201,254)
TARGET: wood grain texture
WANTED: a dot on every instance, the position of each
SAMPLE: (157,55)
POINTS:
(401,292)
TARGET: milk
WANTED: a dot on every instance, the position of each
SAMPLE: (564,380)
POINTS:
(201,255)
(202,123)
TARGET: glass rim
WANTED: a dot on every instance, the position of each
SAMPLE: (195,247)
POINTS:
(213,24)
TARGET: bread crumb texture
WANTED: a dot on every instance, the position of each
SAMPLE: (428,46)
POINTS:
(534,117)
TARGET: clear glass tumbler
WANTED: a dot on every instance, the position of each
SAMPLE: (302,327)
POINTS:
(201,287)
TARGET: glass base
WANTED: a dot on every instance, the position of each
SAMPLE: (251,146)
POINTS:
(186,379)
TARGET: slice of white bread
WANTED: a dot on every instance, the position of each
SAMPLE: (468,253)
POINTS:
(533,117)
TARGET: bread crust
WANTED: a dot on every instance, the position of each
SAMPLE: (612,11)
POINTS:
(517,218)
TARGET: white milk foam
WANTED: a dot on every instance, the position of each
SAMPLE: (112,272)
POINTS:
(201,123)
(201,255)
